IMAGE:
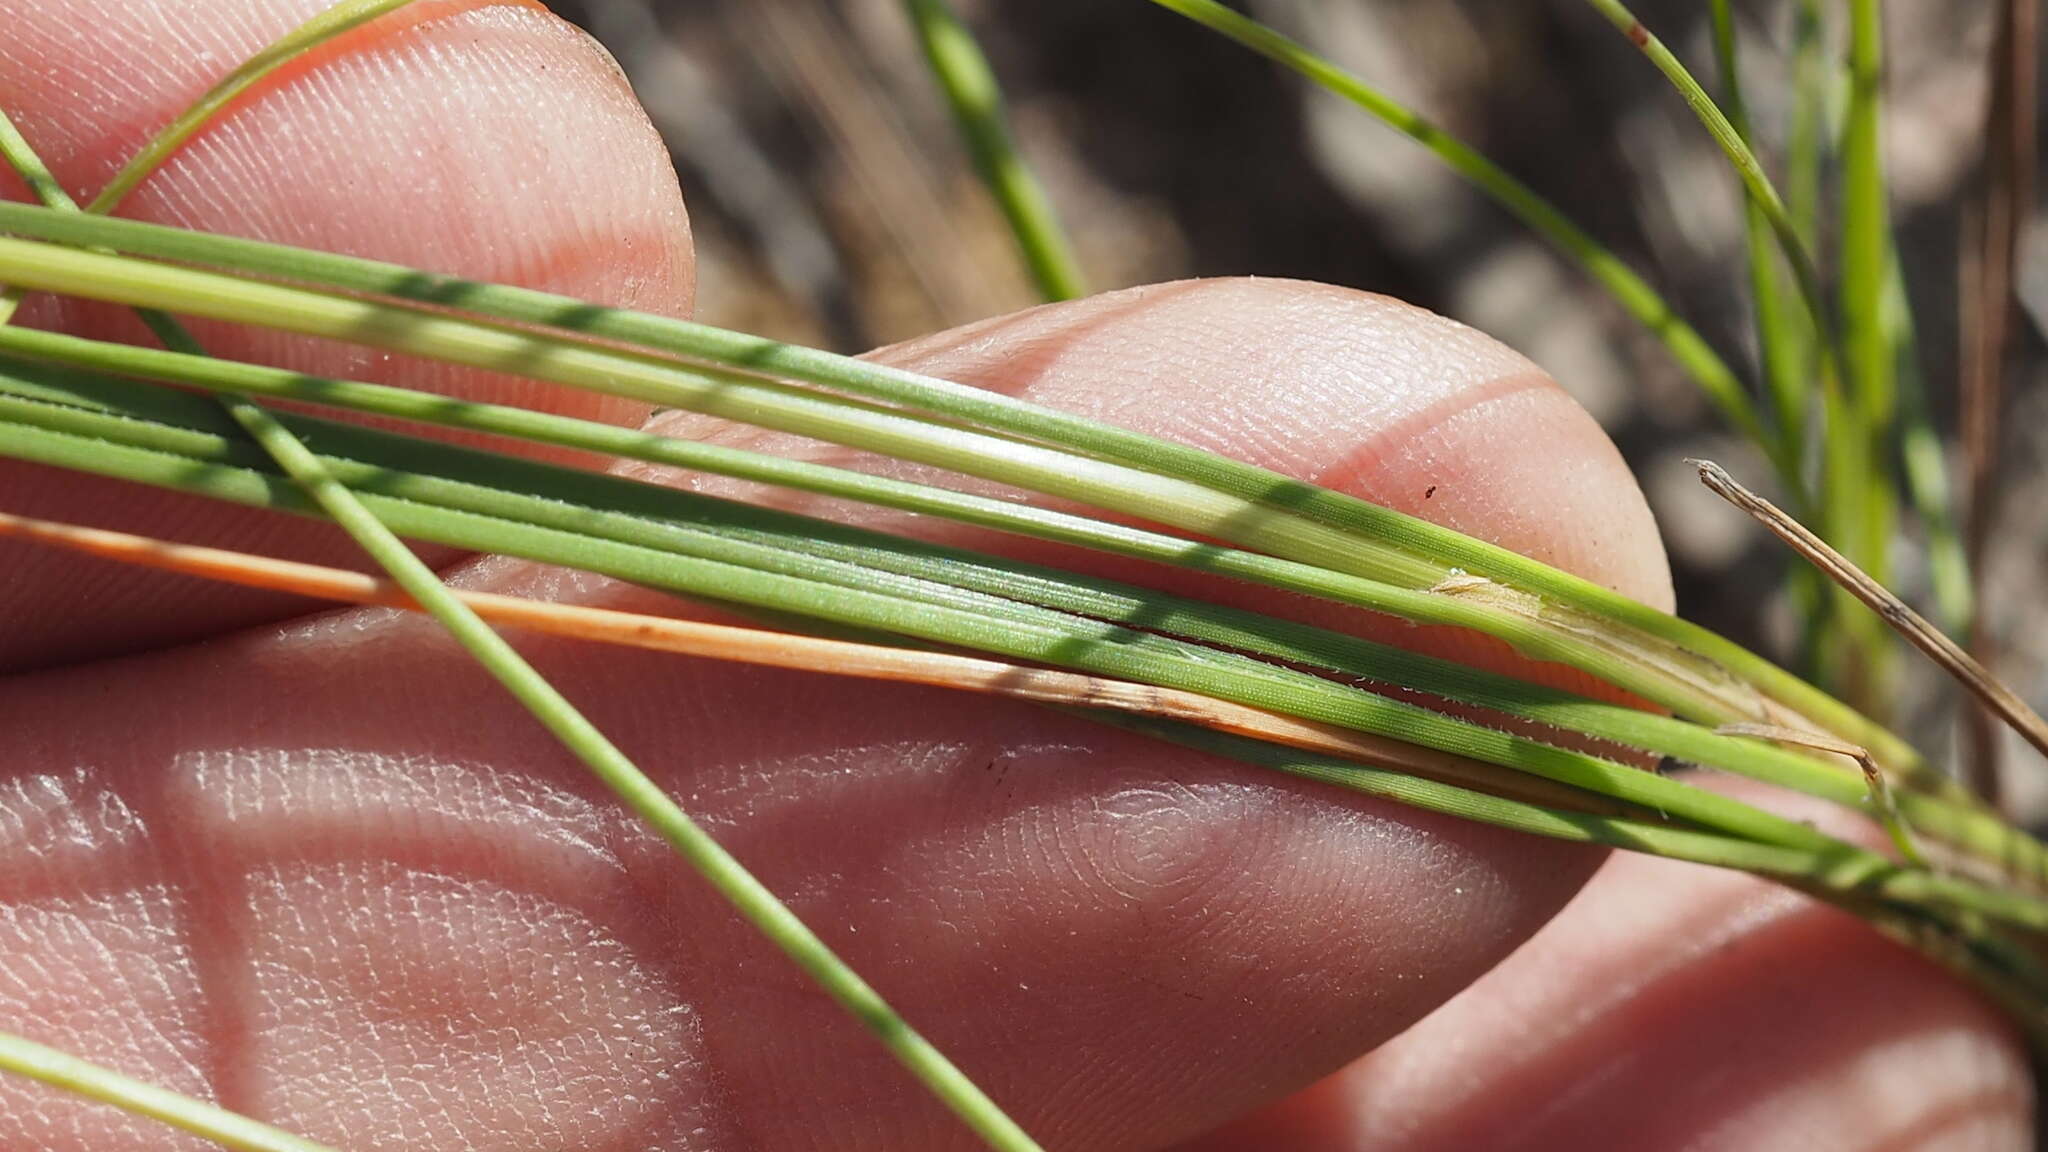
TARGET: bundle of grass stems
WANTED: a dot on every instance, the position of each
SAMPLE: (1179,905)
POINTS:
(1955,880)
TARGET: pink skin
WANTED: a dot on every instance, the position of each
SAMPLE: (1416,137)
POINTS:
(384,158)
(1690,1009)
(323,872)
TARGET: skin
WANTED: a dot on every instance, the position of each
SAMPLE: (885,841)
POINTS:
(314,866)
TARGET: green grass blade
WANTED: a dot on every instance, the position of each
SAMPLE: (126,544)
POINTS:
(1102,599)
(1190,506)
(1859,475)
(1916,908)
(1826,871)
(860,563)
(1108,600)
(1807,139)
(208,1121)
(1786,338)
(726,875)
(1795,398)
(753,900)
(1924,468)
(1021,634)
(317,478)
(1755,181)
(1866,227)
(1784,329)
(976,101)
(1716,380)
(729,552)
(1651,654)
(164,457)
(322,27)
(927,593)
(1232,629)
(1856,485)
(1422,606)
(42,184)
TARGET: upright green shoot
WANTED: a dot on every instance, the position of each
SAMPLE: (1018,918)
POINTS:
(1923,469)
(1784,329)
(1859,473)
(1808,146)
(976,101)
(1858,382)
(1762,192)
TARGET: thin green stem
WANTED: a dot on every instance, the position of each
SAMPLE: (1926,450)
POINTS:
(1925,470)
(1648,651)
(1751,170)
(1855,496)
(1784,333)
(321,28)
(316,477)
(1688,348)
(860,563)
(1825,870)
(726,875)
(1133,491)
(1807,140)
(976,101)
(1521,630)
(42,183)
(40,1062)
(1784,326)
(1859,476)
(780,563)
(1866,231)
(584,537)
(1806,146)
(1795,398)
(1226,628)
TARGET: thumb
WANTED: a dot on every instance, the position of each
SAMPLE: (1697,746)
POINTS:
(478,138)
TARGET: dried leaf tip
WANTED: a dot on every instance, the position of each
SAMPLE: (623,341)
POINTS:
(2001,700)
(1873,776)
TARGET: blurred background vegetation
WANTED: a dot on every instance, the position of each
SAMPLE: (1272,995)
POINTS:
(834,206)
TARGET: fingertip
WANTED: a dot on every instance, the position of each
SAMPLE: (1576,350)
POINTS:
(480,139)
(1699,1011)
(1352,390)
(1356,391)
